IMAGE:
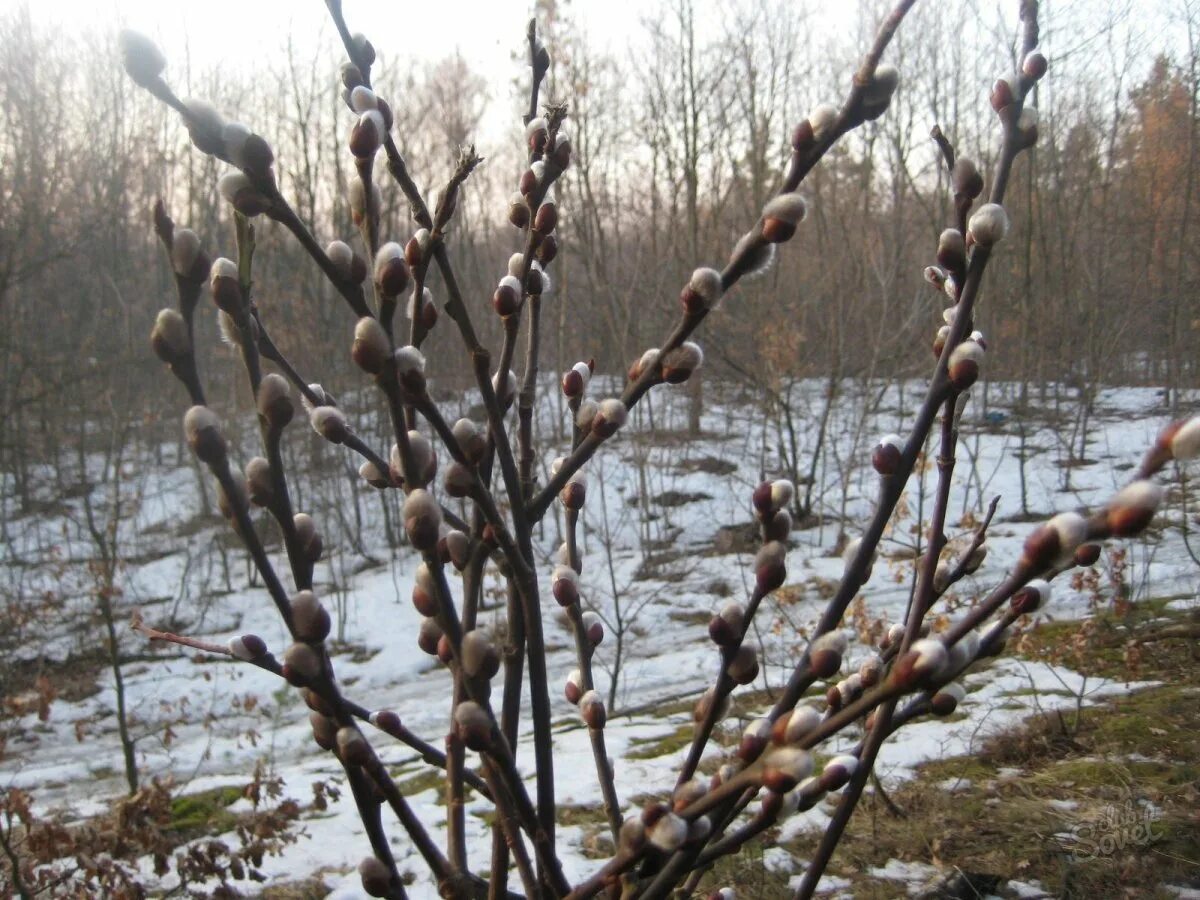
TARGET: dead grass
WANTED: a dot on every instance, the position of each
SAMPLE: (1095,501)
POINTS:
(309,889)
(1029,798)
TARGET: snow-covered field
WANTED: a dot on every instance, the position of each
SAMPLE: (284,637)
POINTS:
(661,510)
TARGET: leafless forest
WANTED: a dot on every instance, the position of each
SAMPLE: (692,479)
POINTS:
(821,344)
(1100,286)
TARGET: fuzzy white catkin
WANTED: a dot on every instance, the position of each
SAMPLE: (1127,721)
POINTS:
(970,644)
(707,285)
(846,761)
(1072,529)
(989,224)
(1141,494)
(614,411)
(782,492)
(967,350)
(232,184)
(1043,588)
(803,720)
(369,472)
(389,251)
(238,650)
(506,389)
(758,730)
(668,833)
(931,655)
(955,690)
(410,309)
(373,119)
(883,85)
(142,58)
(587,412)
(185,248)
(1185,444)
(235,135)
(535,125)
(758,260)
(409,359)
(822,118)
(362,99)
(831,640)
(851,551)
(230,336)
(203,117)
(341,255)
(788,208)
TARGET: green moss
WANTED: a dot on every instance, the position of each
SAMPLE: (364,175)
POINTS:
(205,812)
(582,816)
(670,708)
(427,779)
(653,748)
(1103,653)
(748,874)
(961,767)
(1138,750)
(694,618)
(1037,692)
(309,889)
(756,702)
(1157,721)
(1158,605)
(595,839)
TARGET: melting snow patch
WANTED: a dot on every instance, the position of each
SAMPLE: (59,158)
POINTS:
(1028,890)
(219,736)
(829,884)
(1064,805)
(915,874)
(955,785)
(1185,603)
(776,859)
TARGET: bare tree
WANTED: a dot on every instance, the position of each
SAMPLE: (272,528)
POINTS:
(477,513)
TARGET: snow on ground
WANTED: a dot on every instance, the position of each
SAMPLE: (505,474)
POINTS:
(656,506)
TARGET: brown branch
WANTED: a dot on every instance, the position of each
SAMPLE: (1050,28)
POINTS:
(922,601)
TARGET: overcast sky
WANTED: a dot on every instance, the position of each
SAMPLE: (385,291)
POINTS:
(481,28)
(217,29)
(487,32)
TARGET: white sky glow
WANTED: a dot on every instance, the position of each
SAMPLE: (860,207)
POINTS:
(245,33)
